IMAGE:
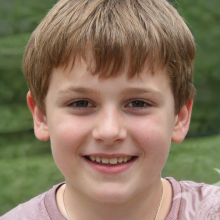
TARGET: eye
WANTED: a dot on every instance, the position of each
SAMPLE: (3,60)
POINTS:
(81,104)
(138,104)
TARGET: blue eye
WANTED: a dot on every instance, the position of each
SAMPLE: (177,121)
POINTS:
(81,104)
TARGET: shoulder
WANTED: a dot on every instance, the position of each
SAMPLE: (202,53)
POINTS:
(200,194)
(27,210)
(196,200)
(37,208)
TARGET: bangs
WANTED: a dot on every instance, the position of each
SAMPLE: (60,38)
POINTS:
(115,32)
(116,39)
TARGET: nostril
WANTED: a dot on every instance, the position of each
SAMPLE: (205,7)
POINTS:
(109,136)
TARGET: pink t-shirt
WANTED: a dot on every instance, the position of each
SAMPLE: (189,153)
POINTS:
(191,201)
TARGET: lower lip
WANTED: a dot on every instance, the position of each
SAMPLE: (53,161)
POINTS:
(114,169)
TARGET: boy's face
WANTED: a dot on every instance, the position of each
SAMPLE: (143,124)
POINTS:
(88,117)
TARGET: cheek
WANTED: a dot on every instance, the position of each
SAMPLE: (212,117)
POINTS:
(67,135)
(153,136)
(68,131)
(151,129)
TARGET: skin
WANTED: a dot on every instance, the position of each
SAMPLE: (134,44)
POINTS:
(110,122)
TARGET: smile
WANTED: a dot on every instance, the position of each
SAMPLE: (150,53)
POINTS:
(109,161)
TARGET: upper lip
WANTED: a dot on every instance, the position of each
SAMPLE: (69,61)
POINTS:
(108,155)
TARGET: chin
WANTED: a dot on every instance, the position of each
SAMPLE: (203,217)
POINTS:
(112,197)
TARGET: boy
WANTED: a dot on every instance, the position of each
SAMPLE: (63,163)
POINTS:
(111,86)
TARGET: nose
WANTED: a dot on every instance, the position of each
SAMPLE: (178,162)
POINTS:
(109,128)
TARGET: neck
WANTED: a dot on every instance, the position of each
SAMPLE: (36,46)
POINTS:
(142,206)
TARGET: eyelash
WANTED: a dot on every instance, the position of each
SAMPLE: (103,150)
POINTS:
(74,104)
(85,102)
(144,104)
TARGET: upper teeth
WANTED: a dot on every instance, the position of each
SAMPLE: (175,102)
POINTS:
(113,160)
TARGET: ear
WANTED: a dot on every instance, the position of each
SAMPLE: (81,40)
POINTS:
(182,122)
(40,123)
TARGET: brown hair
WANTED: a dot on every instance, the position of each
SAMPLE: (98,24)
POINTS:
(149,29)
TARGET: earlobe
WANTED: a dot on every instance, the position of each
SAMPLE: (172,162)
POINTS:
(182,122)
(40,124)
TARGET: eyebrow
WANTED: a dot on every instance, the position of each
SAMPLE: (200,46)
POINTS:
(133,91)
(142,91)
(80,90)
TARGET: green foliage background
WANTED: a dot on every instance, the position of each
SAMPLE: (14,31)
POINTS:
(26,164)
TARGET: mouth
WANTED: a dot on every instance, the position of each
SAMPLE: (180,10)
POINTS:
(109,161)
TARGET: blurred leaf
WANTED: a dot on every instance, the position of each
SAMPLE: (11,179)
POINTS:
(217,184)
(217,170)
